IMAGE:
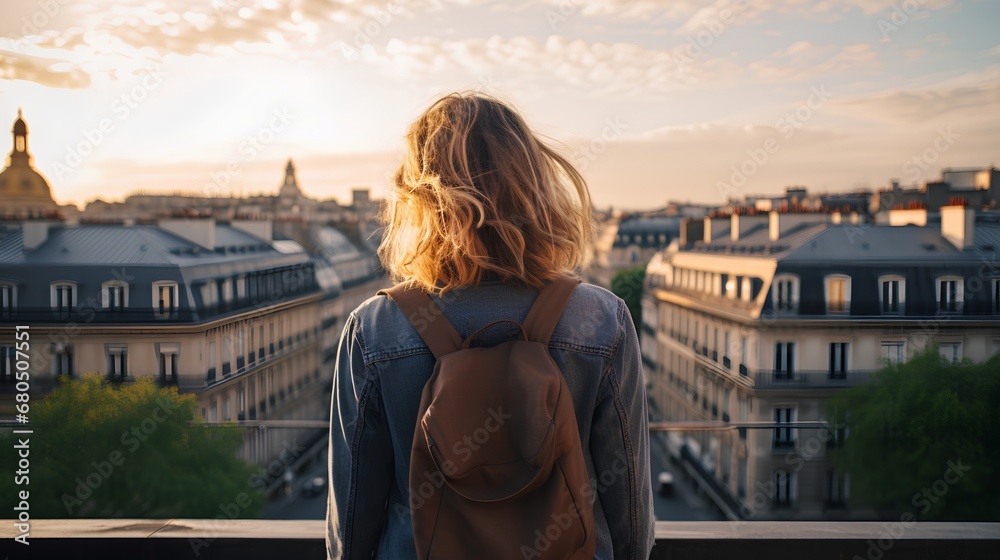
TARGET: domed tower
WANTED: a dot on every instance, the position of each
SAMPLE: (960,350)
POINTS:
(24,192)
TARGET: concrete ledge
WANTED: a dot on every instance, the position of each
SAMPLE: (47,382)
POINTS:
(143,539)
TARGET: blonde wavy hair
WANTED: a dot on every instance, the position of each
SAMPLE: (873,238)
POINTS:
(478,193)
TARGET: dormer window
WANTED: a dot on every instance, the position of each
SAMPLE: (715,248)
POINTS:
(786,292)
(892,294)
(950,293)
(114,295)
(62,297)
(838,293)
(164,299)
(8,299)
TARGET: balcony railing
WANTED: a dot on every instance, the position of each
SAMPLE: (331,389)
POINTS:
(255,539)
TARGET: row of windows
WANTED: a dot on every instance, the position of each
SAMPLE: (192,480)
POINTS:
(732,286)
(949,293)
(272,284)
(949,290)
(63,297)
(892,352)
(638,238)
(784,489)
(115,364)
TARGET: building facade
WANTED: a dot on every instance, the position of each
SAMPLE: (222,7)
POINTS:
(246,321)
(760,319)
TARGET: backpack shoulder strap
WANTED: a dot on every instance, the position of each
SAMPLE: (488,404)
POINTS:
(427,318)
(548,307)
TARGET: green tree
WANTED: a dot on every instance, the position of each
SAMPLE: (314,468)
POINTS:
(924,438)
(102,450)
(627,284)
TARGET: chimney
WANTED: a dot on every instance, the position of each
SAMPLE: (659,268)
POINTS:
(958,226)
(740,225)
(902,217)
(200,231)
(34,233)
(714,228)
(257,228)
(780,223)
(692,230)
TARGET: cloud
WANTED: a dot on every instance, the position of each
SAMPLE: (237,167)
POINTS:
(45,71)
(805,61)
(972,102)
(602,69)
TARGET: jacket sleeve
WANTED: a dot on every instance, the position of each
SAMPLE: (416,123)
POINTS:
(619,444)
(360,462)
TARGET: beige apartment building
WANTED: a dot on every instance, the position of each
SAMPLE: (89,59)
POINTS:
(761,318)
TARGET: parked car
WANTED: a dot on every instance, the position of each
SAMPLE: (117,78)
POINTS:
(314,486)
(666,483)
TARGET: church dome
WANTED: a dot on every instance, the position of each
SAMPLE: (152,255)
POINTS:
(22,182)
(23,190)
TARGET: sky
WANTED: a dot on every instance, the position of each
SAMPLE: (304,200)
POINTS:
(654,100)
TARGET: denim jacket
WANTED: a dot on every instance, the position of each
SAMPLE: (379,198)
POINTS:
(383,364)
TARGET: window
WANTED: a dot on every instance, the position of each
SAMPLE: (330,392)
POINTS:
(167,363)
(837,430)
(63,297)
(227,290)
(211,361)
(227,352)
(892,294)
(784,437)
(62,359)
(951,351)
(8,357)
(838,294)
(741,477)
(784,360)
(996,295)
(838,360)
(784,489)
(894,351)
(117,362)
(786,292)
(114,295)
(949,293)
(8,299)
(209,294)
(837,489)
(164,299)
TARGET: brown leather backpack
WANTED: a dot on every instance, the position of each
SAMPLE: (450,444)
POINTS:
(497,467)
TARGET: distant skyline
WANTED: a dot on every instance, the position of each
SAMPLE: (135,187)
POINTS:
(655,99)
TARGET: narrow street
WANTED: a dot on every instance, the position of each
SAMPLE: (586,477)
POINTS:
(683,504)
